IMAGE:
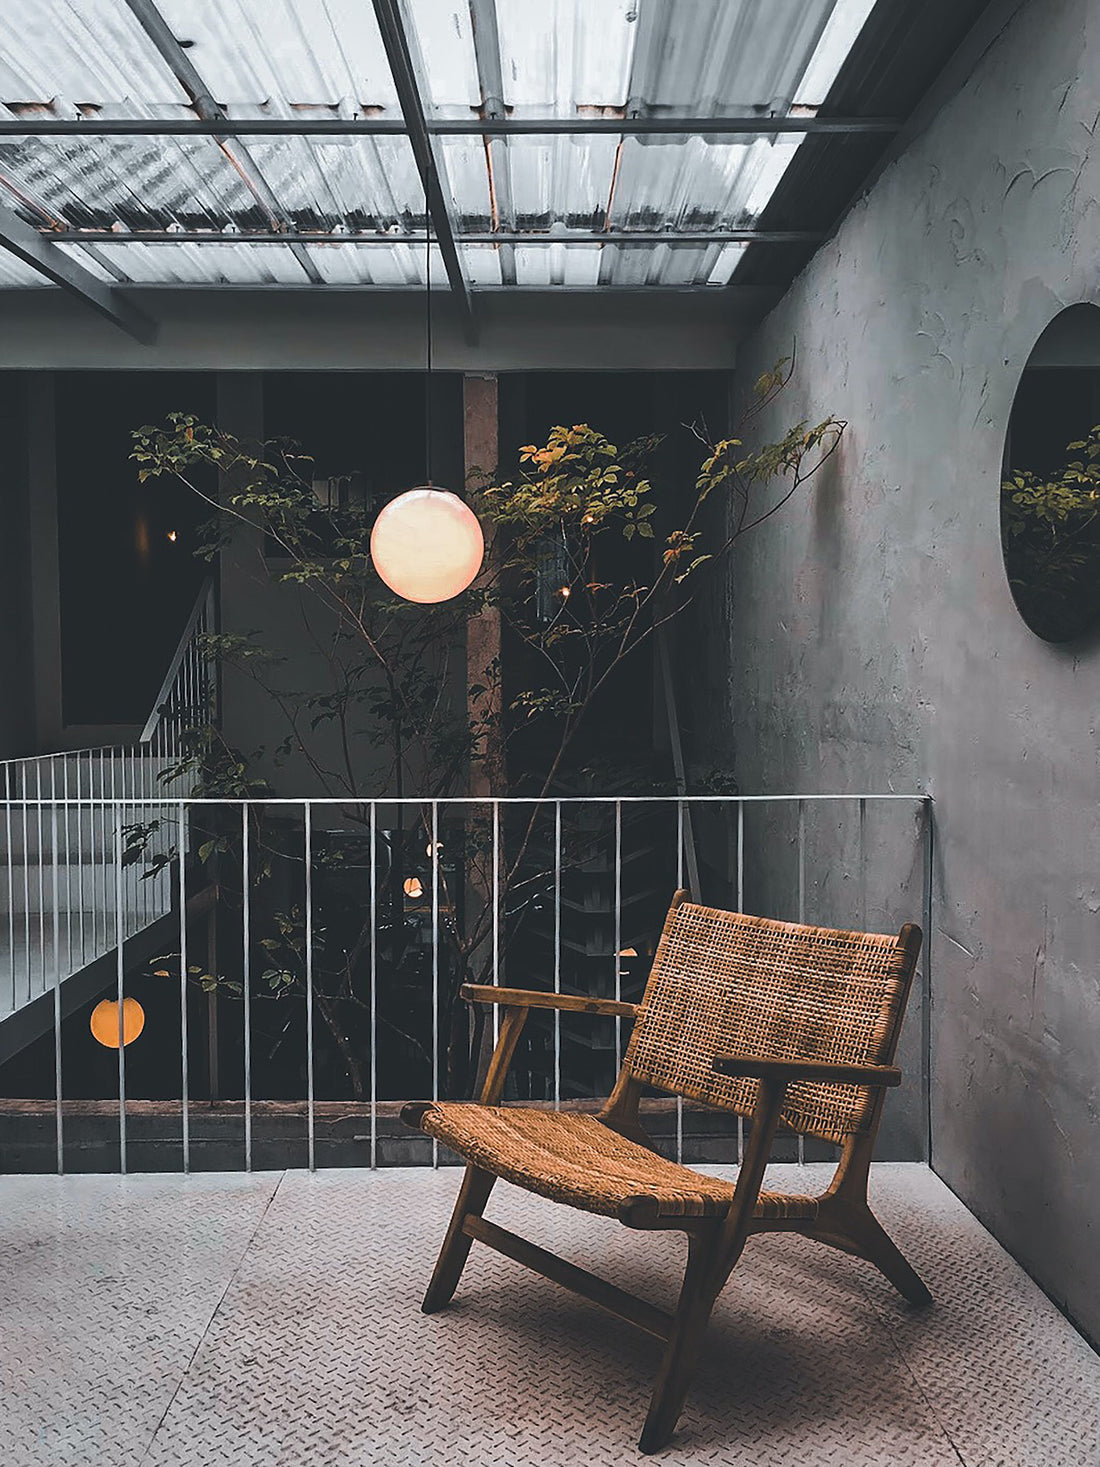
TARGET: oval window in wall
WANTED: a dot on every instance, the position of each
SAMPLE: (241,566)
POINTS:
(1050,489)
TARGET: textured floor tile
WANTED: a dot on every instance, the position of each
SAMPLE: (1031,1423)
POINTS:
(318,1353)
(1010,1381)
(106,1287)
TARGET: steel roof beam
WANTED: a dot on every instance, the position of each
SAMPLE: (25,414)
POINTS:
(490,78)
(179,63)
(677,239)
(38,126)
(38,250)
(429,166)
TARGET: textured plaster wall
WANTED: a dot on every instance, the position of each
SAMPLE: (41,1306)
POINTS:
(871,641)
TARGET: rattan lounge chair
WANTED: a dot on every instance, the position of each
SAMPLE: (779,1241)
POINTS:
(774,1021)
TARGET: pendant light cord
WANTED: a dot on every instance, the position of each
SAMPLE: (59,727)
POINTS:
(428,331)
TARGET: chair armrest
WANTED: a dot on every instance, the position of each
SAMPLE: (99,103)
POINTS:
(525,998)
(788,1071)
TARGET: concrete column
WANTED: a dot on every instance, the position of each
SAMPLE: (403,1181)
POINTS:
(480,444)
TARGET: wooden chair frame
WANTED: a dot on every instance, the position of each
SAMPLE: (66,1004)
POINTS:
(843,1220)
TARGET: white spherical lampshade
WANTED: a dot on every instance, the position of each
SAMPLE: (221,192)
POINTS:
(427,545)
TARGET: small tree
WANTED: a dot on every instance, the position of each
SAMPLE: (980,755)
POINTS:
(627,561)
(1051,532)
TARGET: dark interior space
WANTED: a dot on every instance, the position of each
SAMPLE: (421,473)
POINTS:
(16,712)
(129,576)
(1054,406)
(369,424)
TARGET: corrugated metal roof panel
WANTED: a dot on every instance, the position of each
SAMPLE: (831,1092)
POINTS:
(704,58)
(201,264)
(80,51)
(275,54)
(558,264)
(694,183)
(325,182)
(286,58)
(559,55)
(393,266)
(14,273)
(559,180)
(100,182)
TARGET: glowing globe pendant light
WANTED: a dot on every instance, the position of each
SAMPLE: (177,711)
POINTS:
(427,545)
(104,1023)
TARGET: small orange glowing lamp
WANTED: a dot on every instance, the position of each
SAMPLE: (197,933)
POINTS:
(413,886)
(427,545)
(105,1022)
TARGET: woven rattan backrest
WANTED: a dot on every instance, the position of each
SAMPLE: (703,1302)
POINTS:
(726,983)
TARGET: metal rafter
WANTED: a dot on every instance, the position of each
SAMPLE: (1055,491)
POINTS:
(40,252)
(490,77)
(584,126)
(179,63)
(675,238)
(429,166)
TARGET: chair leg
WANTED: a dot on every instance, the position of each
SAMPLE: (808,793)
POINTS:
(684,1343)
(876,1245)
(472,1197)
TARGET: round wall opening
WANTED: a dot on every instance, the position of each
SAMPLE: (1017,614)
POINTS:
(1050,482)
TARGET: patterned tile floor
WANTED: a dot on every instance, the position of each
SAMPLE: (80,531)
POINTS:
(272,1319)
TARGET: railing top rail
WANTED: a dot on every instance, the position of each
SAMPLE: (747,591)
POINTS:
(920,796)
(203,603)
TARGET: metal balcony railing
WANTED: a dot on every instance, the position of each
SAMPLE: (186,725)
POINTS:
(354,922)
(67,893)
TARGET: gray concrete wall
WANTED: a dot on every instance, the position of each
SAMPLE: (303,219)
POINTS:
(872,643)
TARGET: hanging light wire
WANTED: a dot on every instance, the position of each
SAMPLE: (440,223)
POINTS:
(427,330)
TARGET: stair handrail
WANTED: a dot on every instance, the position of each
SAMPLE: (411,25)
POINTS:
(203,607)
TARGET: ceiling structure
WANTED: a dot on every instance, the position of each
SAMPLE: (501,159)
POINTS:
(559,145)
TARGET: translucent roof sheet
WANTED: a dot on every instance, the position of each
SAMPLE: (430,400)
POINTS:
(299,59)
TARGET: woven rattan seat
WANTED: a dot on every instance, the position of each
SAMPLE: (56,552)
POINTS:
(776,1022)
(573,1158)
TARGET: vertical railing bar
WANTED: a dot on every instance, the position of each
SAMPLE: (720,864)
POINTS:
(141,887)
(148,817)
(111,756)
(120,966)
(618,926)
(557,952)
(862,856)
(802,919)
(246,982)
(496,916)
(26,886)
(373,985)
(80,857)
(435,966)
(308,817)
(127,817)
(56,973)
(679,887)
(185,1117)
(11,881)
(41,865)
(99,847)
(740,908)
(68,869)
